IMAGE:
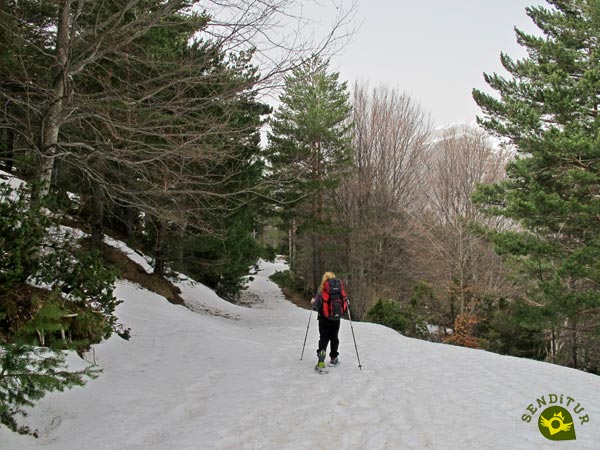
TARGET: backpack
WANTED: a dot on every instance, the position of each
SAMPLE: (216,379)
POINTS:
(334,301)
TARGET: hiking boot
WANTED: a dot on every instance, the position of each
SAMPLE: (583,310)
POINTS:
(321,363)
(334,361)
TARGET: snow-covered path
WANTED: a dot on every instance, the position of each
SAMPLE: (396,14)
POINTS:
(230,377)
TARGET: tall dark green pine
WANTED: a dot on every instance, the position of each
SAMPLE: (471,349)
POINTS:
(549,111)
(310,151)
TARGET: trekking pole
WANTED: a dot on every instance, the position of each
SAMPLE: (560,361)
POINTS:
(354,338)
(306,335)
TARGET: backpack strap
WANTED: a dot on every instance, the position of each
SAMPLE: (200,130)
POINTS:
(325,299)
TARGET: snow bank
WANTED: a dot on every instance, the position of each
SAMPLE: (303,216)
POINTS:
(227,377)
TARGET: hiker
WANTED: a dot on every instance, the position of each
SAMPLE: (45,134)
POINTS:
(331,303)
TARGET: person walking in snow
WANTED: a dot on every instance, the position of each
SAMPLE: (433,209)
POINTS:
(331,302)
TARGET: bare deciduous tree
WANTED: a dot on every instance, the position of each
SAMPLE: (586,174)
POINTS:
(390,141)
(457,261)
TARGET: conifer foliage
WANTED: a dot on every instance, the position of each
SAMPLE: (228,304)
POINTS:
(27,373)
(309,153)
(73,311)
(141,118)
(548,110)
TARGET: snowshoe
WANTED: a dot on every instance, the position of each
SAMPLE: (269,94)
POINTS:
(334,362)
(320,367)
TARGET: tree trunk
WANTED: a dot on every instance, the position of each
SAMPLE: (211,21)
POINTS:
(292,242)
(574,344)
(160,257)
(97,208)
(52,120)
(41,337)
(317,241)
(8,154)
(316,263)
(179,255)
(290,245)
(97,217)
(553,345)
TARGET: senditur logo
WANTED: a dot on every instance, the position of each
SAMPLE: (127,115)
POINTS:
(555,422)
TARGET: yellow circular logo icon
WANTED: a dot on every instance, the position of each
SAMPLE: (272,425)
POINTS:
(556,424)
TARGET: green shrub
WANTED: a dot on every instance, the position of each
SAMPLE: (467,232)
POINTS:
(402,318)
(83,278)
(287,280)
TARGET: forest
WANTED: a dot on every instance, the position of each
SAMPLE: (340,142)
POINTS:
(148,121)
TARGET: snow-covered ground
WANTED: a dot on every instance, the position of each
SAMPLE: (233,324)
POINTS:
(221,376)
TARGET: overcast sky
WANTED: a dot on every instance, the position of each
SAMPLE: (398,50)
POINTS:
(434,50)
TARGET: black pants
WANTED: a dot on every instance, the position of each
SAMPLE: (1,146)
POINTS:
(328,332)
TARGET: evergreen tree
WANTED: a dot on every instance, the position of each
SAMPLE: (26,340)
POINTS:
(310,151)
(548,110)
(26,374)
(76,309)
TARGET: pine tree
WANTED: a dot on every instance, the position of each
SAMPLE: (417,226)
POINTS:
(548,110)
(27,374)
(310,149)
(76,309)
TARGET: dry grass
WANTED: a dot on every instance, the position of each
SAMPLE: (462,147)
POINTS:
(296,298)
